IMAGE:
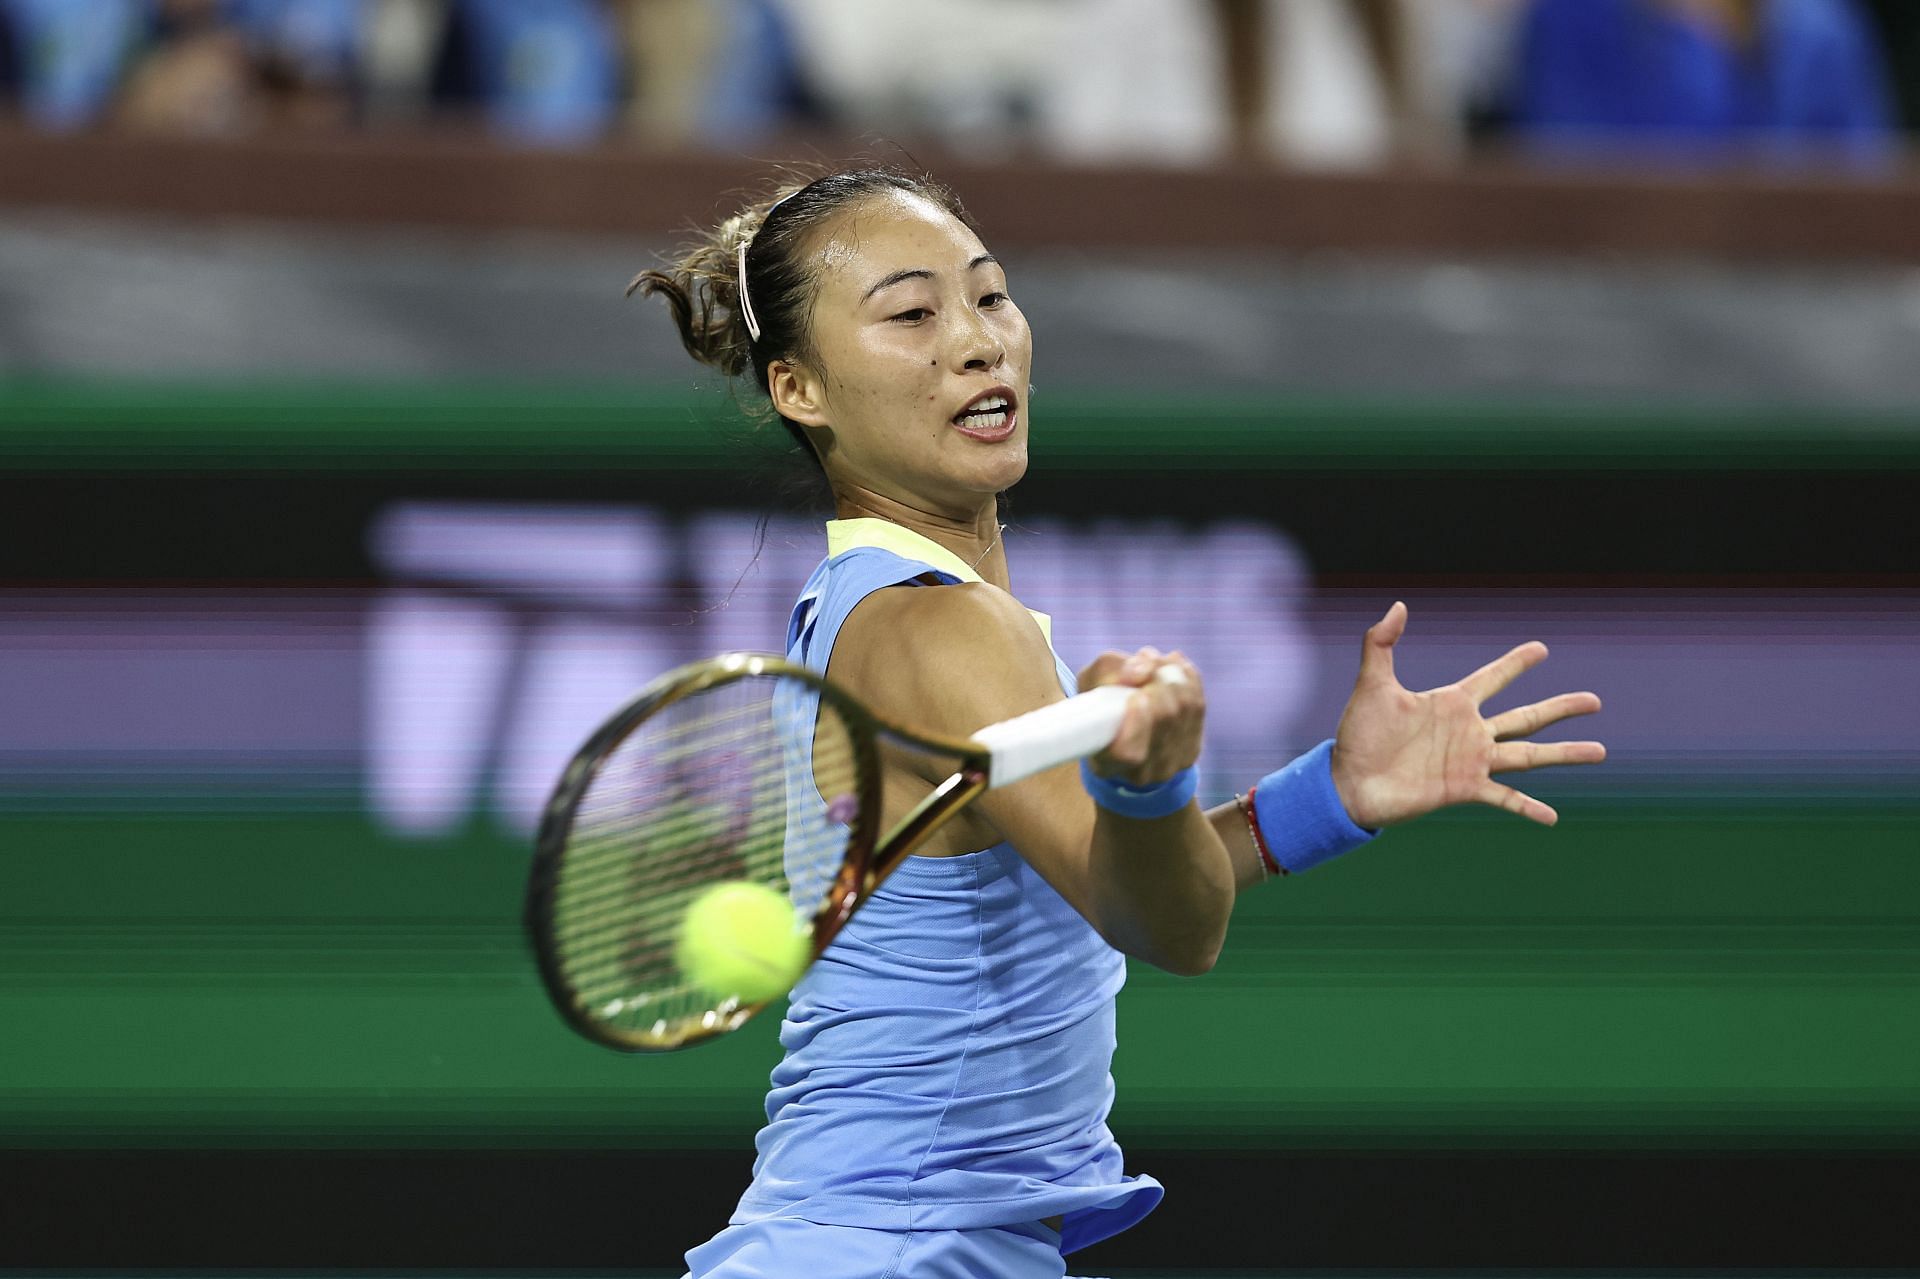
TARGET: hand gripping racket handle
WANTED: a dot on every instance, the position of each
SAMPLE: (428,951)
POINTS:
(1060,733)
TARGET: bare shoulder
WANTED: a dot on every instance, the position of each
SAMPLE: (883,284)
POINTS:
(946,659)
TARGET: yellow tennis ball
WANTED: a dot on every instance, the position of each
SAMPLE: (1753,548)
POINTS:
(743,940)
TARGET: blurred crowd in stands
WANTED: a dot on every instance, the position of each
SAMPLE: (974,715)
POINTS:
(1329,83)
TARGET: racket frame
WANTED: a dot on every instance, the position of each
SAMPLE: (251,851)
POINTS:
(869,858)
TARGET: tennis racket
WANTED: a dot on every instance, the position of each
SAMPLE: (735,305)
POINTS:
(744,767)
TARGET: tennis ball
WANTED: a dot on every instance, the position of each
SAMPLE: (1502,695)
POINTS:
(743,940)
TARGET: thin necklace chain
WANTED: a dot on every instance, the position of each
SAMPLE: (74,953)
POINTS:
(990,545)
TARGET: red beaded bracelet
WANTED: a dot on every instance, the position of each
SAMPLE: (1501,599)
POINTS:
(1267,864)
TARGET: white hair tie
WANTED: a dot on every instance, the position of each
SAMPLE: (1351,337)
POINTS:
(746,306)
(746,303)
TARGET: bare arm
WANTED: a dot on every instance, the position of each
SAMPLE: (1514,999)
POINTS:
(1230,825)
(953,659)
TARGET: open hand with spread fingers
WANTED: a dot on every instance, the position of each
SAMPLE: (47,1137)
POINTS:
(1399,754)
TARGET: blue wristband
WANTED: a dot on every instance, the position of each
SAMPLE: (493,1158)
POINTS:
(1158,800)
(1300,814)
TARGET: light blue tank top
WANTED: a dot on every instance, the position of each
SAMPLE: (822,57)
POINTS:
(947,1060)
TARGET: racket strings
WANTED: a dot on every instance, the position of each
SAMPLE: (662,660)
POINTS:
(607,857)
(618,893)
(621,928)
(740,782)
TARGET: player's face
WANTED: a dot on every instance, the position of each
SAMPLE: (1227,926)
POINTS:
(913,326)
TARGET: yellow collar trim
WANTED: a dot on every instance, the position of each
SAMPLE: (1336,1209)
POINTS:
(844,535)
(885,535)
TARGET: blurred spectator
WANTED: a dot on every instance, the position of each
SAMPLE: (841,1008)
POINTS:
(1113,79)
(1321,83)
(1456,57)
(1697,79)
(307,51)
(195,78)
(968,71)
(543,71)
(1899,23)
(227,66)
(1267,51)
(669,48)
(755,83)
(1135,79)
(1339,83)
(400,45)
(68,56)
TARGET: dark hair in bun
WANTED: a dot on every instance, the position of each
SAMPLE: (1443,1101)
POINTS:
(702,288)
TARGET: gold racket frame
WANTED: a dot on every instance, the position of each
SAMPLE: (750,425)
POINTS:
(869,859)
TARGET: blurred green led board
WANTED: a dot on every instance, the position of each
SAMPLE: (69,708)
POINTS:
(1641,974)
(402,427)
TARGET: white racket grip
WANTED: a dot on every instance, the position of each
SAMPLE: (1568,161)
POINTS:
(1060,733)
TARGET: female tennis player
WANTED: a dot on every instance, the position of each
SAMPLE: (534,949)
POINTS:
(941,1106)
